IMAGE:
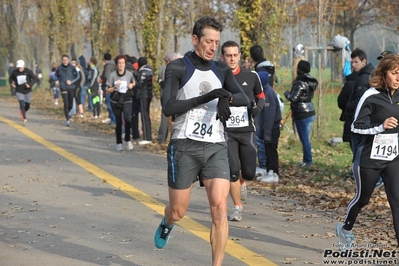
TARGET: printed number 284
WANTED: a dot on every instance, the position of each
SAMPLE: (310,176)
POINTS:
(202,129)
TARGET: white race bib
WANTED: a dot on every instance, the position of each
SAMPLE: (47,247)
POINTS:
(238,117)
(123,87)
(202,125)
(21,79)
(385,147)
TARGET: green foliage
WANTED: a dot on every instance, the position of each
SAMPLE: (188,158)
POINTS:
(247,15)
(150,32)
(261,22)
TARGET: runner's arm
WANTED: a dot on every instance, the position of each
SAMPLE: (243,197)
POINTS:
(33,79)
(76,74)
(174,74)
(361,123)
(258,91)
(238,96)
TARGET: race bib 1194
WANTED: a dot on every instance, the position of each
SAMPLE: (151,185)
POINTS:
(385,147)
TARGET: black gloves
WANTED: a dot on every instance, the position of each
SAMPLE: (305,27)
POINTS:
(287,94)
(213,94)
(223,110)
(255,111)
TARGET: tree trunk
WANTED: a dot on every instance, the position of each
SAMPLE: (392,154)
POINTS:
(72,51)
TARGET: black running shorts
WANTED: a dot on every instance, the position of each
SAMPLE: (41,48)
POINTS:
(189,160)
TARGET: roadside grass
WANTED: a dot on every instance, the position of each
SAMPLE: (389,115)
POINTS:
(332,163)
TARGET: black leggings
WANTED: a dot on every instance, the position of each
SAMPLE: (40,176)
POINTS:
(96,109)
(24,107)
(67,98)
(135,118)
(126,109)
(366,179)
(241,151)
(145,118)
(271,151)
(78,91)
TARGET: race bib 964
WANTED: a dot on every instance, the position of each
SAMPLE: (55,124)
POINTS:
(238,117)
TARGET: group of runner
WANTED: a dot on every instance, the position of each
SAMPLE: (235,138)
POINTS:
(210,145)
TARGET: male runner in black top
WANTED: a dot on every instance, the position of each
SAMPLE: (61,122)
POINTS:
(22,79)
(240,129)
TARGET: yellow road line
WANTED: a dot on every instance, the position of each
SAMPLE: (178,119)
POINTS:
(236,250)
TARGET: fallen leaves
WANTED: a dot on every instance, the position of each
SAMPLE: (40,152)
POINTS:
(328,197)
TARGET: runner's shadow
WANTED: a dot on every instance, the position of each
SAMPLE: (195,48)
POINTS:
(253,235)
(100,192)
(59,245)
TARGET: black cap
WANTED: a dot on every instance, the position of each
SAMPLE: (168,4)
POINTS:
(107,56)
(142,61)
(303,67)
(381,56)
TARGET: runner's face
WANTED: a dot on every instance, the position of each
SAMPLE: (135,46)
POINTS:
(65,61)
(357,64)
(392,79)
(231,57)
(121,64)
(208,44)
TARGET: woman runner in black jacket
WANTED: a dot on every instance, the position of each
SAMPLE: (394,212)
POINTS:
(376,154)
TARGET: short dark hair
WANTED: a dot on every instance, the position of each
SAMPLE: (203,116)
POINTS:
(256,53)
(93,60)
(359,53)
(64,55)
(121,56)
(229,44)
(206,22)
(132,59)
(142,61)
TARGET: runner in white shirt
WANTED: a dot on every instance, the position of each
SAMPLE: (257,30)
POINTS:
(193,94)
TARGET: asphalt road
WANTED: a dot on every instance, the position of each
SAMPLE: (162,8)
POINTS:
(67,197)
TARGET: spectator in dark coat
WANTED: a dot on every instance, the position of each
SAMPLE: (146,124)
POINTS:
(359,64)
(343,99)
(10,69)
(145,84)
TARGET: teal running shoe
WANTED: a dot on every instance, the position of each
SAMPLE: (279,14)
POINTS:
(346,239)
(161,237)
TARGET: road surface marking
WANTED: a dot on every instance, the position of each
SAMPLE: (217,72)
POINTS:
(236,250)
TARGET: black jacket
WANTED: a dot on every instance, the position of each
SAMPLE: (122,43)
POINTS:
(21,79)
(269,68)
(361,85)
(145,81)
(270,117)
(301,96)
(368,123)
(64,73)
(343,99)
(108,68)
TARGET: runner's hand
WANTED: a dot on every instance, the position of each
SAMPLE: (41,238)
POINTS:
(223,110)
(213,94)
(255,111)
(390,123)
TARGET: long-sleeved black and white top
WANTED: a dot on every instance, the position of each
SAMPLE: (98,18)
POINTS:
(377,146)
